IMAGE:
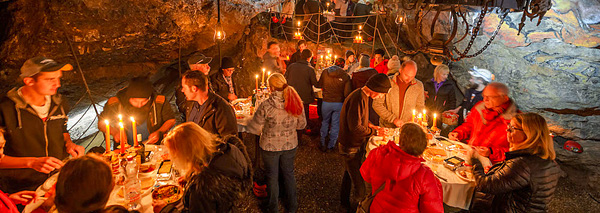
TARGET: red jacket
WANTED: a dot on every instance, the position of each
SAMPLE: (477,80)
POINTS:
(381,67)
(489,133)
(6,205)
(410,185)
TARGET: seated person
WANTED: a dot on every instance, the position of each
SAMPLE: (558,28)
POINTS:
(152,113)
(410,185)
(225,83)
(35,119)
(217,173)
(8,202)
(525,181)
(485,126)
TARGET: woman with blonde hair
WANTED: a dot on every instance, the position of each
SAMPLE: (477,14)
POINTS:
(276,120)
(440,92)
(215,172)
(525,181)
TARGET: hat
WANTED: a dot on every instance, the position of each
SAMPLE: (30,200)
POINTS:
(42,64)
(199,59)
(364,60)
(380,52)
(227,62)
(139,87)
(349,53)
(379,83)
(482,73)
(394,64)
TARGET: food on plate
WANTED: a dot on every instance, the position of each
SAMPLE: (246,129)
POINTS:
(167,193)
(465,174)
(147,183)
(147,168)
(436,155)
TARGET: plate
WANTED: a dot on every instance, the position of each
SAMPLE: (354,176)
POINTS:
(168,193)
(465,173)
(436,155)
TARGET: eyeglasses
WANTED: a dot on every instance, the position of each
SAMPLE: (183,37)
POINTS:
(512,129)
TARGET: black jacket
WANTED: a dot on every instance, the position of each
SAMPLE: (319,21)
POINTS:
(302,77)
(218,117)
(361,76)
(27,135)
(521,183)
(354,122)
(220,86)
(336,84)
(472,97)
(444,99)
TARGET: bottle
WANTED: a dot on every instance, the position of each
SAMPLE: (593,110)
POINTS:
(133,187)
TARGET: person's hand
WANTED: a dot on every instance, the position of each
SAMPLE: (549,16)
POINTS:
(22,197)
(74,149)
(153,137)
(372,126)
(483,151)
(158,205)
(45,164)
(453,136)
(398,122)
(231,97)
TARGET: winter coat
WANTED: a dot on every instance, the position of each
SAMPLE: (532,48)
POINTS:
(381,67)
(442,100)
(521,183)
(6,205)
(388,107)
(218,116)
(220,86)
(159,111)
(487,133)
(276,127)
(410,186)
(361,76)
(354,122)
(27,135)
(222,185)
(302,77)
(336,85)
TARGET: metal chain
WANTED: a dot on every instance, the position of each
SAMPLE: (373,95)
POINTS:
(475,32)
(491,38)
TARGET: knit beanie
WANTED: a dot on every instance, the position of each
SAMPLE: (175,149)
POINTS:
(349,53)
(139,87)
(364,60)
(380,52)
(379,83)
(393,64)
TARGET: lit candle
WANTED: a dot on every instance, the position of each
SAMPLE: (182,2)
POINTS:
(107,136)
(419,119)
(256,77)
(359,27)
(263,75)
(122,137)
(135,141)
(268,74)
(120,118)
(434,119)
(414,115)
(299,23)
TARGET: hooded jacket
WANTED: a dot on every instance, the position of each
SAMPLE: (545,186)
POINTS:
(276,126)
(336,85)
(218,116)
(388,107)
(27,135)
(522,183)
(410,185)
(361,76)
(487,133)
(354,122)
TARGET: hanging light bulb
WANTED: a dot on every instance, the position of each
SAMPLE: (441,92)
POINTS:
(219,33)
(436,60)
(299,23)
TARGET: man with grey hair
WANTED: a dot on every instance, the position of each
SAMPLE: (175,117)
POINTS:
(485,127)
(407,94)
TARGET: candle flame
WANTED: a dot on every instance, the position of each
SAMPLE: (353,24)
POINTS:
(264,69)
(256,76)
(133,120)
(121,124)
(299,23)
(106,122)
(120,117)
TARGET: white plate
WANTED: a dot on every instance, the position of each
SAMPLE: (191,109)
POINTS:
(463,168)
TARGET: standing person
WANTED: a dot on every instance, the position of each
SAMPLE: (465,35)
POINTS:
(35,119)
(225,82)
(363,73)
(378,61)
(271,60)
(277,120)
(525,181)
(196,62)
(217,173)
(206,108)
(484,128)
(479,79)
(355,131)
(440,93)
(393,65)
(302,77)
(8,201)
(412,186)
(406,95)
(153,115)
(336,86)
(351,63)
(298,54)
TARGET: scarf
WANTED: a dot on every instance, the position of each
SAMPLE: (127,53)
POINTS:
(491,114)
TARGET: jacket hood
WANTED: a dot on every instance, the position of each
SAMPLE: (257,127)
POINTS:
(230,160)
(14,96)
(397,164)
(276,100)
(335,71)
(364,69)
